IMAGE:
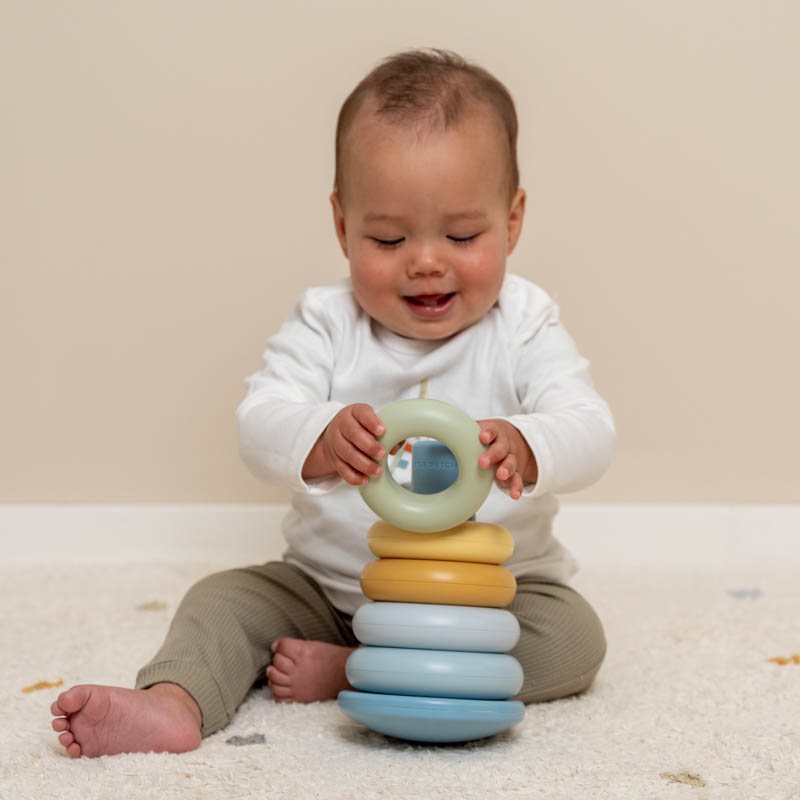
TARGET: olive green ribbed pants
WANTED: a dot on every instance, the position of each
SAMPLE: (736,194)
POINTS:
(218,644)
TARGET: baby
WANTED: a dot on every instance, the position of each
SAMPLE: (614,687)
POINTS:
(427,207)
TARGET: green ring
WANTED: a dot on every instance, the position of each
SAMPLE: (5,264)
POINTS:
(426,513)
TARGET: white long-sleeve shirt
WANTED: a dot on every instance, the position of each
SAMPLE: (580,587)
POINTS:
(516,363)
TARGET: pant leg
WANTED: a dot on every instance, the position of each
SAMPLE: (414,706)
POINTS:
(561,645)
(218,643)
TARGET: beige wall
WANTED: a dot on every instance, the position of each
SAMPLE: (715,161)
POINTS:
(165,171)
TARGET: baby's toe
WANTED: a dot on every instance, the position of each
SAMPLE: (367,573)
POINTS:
(278,678)
(57,710)
(282,663)
(282,693)
(73,699)
(74,750)
(60,724)
(66,738)
(294,649)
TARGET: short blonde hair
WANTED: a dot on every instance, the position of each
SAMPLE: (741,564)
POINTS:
(433,87)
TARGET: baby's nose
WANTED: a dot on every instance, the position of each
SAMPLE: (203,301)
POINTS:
(426,261)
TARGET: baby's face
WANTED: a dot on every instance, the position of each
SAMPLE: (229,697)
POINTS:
(426,222)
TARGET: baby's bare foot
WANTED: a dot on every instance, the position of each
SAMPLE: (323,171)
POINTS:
(304,671)
(106,720)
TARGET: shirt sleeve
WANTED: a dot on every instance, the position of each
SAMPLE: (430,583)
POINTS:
(288,404)
(565,421)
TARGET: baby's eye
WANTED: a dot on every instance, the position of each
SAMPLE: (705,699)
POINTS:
(387,242)
(463,239)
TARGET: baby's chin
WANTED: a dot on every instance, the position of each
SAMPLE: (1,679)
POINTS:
(429,330)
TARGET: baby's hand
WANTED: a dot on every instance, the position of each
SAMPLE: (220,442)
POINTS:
(508,451)
(349,444)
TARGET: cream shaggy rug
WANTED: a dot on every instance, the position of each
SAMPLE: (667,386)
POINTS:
(699,698)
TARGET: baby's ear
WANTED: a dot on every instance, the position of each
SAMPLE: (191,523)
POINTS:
(516,217)
(338,222)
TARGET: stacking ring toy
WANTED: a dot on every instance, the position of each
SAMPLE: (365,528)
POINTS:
(434,673)
(436,627)
(430,512)
(431,719)
(460,583)
(470,541)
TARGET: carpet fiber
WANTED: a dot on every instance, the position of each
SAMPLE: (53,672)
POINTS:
(699,697)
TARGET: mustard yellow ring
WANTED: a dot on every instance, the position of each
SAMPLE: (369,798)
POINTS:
(458,583)
(481,542)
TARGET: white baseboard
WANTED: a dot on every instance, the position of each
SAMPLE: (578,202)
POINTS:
(223,534)
(688,536)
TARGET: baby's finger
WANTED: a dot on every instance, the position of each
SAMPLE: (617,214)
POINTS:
(494,454)
(515,486)
(488,432)
(363,441)
(356,458)
(354,434)
(512,486)
(348,473)
(508,466)
(365,414)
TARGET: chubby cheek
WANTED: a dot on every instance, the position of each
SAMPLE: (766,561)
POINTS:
(369,270)
(485,266)
(373,280)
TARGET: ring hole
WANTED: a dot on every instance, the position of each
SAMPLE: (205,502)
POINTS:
(424,466)
(399,464)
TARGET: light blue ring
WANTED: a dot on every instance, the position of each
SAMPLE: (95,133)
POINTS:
(436,627)
(431,719)
(434,673)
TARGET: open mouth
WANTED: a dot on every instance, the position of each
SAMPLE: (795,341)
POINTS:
(430,306)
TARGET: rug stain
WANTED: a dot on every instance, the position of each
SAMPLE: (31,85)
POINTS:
(253,738)
(689,778)
(153,605)
(784,660)
(37,687)
(741,594)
